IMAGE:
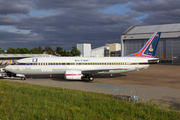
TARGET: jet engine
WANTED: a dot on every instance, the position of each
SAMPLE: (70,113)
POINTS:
(73,75)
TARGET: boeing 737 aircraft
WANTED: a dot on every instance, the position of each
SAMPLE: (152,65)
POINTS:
(78,67)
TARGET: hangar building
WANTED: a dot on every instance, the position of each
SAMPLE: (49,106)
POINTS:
(133,39)
(85,49)
(109,50)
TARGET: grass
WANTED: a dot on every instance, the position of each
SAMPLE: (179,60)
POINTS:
(26,101)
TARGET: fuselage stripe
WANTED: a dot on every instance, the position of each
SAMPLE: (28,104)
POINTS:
(80,64)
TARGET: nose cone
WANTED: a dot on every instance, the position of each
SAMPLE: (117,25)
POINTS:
(8,68)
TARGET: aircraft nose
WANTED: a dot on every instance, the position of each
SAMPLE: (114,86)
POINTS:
(8,68)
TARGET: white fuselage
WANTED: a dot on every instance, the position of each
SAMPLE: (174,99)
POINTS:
(87,65)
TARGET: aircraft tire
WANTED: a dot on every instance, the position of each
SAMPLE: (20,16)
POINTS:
(91,78)
(23,78)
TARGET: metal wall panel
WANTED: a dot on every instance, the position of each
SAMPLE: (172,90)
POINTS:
(176,50)
(169,48)
(133,46)
(161,48)
(154,28)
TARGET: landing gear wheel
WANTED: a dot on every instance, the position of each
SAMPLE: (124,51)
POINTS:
(91,78)
(23,78)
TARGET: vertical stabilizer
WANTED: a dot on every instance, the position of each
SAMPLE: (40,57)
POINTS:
(149,49)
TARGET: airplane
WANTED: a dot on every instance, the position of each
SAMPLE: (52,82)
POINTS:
(75,68)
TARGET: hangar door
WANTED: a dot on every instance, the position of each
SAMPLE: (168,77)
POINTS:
(133,46)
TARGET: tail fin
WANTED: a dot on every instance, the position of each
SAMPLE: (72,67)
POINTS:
(149,49)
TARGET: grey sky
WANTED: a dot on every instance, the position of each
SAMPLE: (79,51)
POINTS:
(32,23)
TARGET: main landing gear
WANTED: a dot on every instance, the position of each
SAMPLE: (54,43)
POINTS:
(90,77)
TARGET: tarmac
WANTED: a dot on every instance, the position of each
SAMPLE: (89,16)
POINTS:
(159,84)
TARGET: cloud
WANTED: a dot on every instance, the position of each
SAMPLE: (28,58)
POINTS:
(162,17)
(75,21)
(13,7)
(154,6)
(73,27)
(11,39)
(158,12)
(8,20)
(75,4)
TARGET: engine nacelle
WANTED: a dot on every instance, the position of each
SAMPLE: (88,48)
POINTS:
(73,75)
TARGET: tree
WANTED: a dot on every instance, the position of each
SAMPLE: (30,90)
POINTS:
(59,50)
(11,50)
(40,50)
(75,52)
(24,51)
(49,50)
(18,51)
(35,50)
(66,53)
